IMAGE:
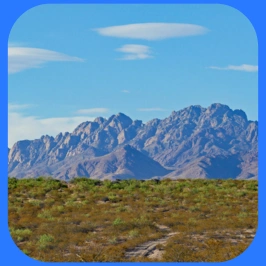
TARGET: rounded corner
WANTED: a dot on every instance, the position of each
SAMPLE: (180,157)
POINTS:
(251,243)
(14,23)
(16,246)
(244,15)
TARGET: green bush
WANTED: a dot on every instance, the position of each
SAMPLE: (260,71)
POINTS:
(118,221)
(20,234)
(45,241)
(12,182)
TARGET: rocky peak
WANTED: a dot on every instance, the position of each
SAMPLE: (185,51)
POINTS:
(191,113)
(120,121)
(100,120)
(137,123)
(81,126)
(47,138)
(195,108)
(22,144)
(19,149)
(154,122)
(58,137)
(123,119)
(241,113)
(86,128)
(217,109)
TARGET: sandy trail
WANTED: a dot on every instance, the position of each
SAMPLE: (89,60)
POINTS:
(148,249)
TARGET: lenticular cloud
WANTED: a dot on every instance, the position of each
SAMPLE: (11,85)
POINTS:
(21,58)
(152,31)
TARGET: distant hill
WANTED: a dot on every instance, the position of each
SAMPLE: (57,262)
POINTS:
(195,142)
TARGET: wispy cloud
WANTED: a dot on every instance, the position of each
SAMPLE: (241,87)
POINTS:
(21,58)
(21,126)
(92,111)
(152,31)
(125,91)
(16,107)
(135,52)
(17,44)
(151,109)
(244,67)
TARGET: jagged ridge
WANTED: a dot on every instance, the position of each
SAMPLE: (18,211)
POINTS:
(194,142)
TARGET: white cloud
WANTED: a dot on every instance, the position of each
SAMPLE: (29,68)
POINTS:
(152,31)
(21,58)
(17,44)
(125,91)
(22,127)
(92,111)
(244,67)
(151,109)
(14,107)
(135,52)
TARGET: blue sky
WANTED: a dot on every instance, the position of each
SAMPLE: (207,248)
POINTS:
(72,63)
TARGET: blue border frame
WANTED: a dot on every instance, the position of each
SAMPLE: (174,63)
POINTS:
(12,9)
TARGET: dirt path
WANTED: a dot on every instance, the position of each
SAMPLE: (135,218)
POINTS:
(148,249)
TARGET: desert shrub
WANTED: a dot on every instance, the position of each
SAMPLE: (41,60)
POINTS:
(132,184)
(252,185)
(49,202)
(57,209)
(241,194)
(116,185)
(35,202)
(142,221)
(45,214)
(86,182)
(113,240)
(133,233)
(113,197)
(194,208)
(45,241)
(121,208)
(12,183)
(20,234)
(25,251)
(52,184)
(118,221)
(242,215)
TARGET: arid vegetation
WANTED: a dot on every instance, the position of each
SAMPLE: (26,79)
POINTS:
(91,220)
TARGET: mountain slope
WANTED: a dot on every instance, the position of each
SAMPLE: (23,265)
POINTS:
(125,162)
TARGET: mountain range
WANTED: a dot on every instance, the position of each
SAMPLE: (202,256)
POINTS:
(195,142)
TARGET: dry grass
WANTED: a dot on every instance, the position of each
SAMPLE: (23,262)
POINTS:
(89,220)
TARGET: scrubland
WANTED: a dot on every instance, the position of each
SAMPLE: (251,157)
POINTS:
(92,220)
